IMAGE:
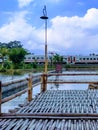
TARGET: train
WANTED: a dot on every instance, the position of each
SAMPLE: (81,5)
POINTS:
(67,59)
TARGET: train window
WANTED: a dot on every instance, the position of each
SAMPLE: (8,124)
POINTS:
(83,58)
(50,57)
(87,58)
(42,57)
(29,57)
(90,58)
(94,58)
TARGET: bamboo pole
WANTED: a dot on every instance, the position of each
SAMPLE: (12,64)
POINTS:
(43,83)
(73,74)
(0,97)
(69,82)
(14,96)
(30,88)
(50,115)
(12,82)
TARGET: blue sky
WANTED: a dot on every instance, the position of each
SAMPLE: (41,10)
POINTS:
(72,25)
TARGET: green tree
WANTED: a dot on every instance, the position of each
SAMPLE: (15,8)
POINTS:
(14,44)
(17,56)
(57,59)
(11,44)
(3,45)
(3,53)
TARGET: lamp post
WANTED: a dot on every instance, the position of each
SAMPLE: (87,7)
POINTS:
(44,17)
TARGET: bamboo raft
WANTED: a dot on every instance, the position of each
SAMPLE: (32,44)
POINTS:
(55,110)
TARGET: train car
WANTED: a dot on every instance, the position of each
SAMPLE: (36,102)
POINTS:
(90,59)
(40,59)
(69,59)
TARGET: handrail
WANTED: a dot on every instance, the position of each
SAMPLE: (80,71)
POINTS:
(17,81)
(74,74)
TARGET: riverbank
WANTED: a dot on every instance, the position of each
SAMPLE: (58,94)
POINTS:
(82,67)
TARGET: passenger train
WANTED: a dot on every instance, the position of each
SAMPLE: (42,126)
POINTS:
(67,59)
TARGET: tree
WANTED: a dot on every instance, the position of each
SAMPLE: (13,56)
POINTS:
(3,52)
(11,44)
(17,56)
(3,45)
(14,44)
(57,59)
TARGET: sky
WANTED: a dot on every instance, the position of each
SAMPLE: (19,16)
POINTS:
(72,27)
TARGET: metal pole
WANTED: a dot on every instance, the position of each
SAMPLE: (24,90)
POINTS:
(46,60)
(44,17)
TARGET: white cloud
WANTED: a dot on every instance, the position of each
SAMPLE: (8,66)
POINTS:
(19,29)
(15,28)
(66,34)
(23,3)
(75,33)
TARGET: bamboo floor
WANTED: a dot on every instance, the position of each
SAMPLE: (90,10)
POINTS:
(55,110)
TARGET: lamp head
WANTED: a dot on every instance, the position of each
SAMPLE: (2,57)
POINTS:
(44,13)
(44,17)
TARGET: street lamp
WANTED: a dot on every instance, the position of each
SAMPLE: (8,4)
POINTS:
(44,17)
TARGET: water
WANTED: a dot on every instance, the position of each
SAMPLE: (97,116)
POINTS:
(18,100)
(7,78)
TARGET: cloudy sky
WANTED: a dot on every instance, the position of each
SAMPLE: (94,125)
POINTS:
(72,27)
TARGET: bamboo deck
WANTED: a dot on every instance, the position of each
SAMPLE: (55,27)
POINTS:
(35,124)
(56,110)
(64,101)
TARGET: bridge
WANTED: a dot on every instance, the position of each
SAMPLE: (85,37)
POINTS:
(55,109)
